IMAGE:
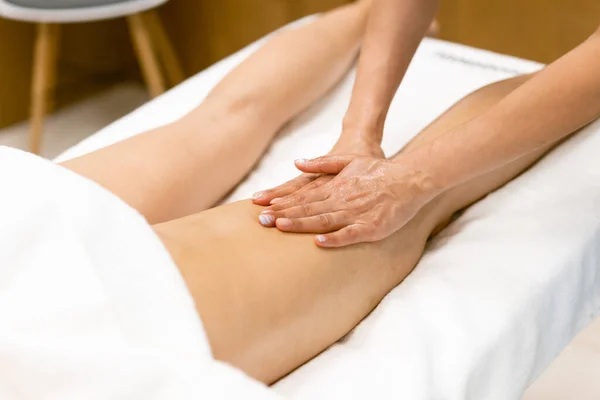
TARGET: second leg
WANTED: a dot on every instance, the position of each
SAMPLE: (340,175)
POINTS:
(188,166)
(448,203)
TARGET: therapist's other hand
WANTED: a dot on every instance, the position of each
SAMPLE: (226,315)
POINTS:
(368,200)
(312,180)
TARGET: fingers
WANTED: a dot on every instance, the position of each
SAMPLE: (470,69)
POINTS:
(264,198)
(269,216)
(317,183)
(324,165)
(302,210)
(321,223)
(305,197)
(349,235)
(313,169)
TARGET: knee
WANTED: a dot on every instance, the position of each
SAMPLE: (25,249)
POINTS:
(227,104)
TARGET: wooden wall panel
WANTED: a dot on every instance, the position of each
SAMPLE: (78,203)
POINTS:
(16,40)
(540,30)
(204,31)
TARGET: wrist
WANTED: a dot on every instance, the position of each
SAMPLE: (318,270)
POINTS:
(361,134)
(423,178)
(358,144)
(368,125)
(363,139)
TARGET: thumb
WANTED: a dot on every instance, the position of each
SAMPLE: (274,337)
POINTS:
(324,165)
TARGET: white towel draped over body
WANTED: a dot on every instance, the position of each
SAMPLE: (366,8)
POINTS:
(91,304)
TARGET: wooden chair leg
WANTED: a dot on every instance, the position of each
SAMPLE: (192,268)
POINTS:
(164,48)
(142,42)
(43,81)
(53,72)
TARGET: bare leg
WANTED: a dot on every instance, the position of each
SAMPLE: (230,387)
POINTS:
(475,104)
(188,166)
(270,301)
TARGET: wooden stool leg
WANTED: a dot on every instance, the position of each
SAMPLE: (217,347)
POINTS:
(142,42)
(52,75)
(43,81)
(164,48)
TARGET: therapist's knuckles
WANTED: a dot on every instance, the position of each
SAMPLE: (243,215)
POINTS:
(293,200)
(265,197)
(319,171)
(322,180)
(321,223)
(319,210)
(324,165)
(347,236)
(298,211)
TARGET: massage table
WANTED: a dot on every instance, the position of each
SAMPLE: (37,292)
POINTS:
(497,295)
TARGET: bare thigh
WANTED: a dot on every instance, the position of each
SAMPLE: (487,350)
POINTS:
(270,301)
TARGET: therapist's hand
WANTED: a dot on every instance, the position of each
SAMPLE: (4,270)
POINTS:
(368,200)
(350,148)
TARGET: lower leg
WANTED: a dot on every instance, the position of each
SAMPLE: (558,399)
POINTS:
(187,166)
(469,107)
(448,203)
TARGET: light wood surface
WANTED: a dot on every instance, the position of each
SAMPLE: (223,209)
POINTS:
(540,30)
(164,49)
(143,45)
(43,81)
(16,61)
(54,49)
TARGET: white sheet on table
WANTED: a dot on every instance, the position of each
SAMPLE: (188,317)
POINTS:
(91,304)
(497,295)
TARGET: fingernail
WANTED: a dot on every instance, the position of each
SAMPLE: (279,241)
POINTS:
(266,220)
(301,161)
(284,223)
(267,212)
(258,195)
(276,200)
(321,239)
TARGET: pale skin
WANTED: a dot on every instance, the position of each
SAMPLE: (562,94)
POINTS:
(370,198)
(394,30)
(271,301)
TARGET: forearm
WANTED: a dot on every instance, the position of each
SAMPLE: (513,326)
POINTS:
(394,31)
(556,102)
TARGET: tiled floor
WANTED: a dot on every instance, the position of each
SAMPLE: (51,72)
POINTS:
(575,375)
